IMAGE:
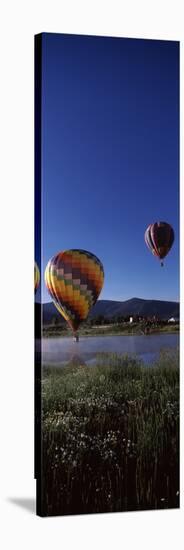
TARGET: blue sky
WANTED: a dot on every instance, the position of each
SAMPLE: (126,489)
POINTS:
(110,118)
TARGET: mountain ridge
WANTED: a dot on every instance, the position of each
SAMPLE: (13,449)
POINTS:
(114,308)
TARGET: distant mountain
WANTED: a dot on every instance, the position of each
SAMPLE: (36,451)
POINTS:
(136,306)
(110,309)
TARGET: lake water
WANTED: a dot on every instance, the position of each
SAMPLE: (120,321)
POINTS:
(57,351)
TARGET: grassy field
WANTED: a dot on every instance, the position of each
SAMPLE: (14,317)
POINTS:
(108,330)
(111,436)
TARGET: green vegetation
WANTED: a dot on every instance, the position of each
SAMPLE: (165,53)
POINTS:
(108,330)
(111,435)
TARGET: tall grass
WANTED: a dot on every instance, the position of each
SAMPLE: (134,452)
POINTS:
(111,435)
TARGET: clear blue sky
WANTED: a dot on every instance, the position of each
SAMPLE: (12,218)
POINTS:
(110,125)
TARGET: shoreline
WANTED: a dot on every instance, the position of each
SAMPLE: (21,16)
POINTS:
(110,334)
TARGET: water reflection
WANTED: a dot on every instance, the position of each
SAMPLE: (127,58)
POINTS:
(59,351)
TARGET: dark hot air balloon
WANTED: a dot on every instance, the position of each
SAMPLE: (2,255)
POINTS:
(74,279)
(159,238)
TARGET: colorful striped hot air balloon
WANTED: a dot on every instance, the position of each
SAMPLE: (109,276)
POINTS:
(74,279)
(36,277)
(159,238)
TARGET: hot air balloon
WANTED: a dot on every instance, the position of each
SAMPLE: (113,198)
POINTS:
(74,279)
(159,238)
(36,277)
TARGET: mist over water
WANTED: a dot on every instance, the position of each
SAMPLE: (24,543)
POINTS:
(59,351)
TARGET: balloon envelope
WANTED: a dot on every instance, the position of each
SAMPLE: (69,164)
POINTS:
(74,279)
(36,276)
(159,238)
